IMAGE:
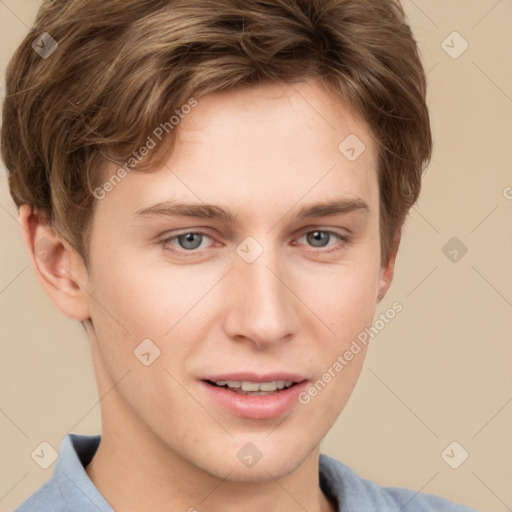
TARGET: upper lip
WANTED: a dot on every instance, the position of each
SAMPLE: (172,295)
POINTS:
(255,377)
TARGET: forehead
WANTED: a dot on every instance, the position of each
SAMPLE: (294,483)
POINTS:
(269,144)
(295,112)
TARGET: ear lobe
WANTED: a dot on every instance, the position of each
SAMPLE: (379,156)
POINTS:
(387,270)
(58,267)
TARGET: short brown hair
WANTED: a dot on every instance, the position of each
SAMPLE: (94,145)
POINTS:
(123,66)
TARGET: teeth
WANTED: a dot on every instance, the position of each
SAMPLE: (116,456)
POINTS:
(255,386)
(266,386)
(251,386)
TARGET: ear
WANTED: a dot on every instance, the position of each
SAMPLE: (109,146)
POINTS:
(388,269)
(58,266)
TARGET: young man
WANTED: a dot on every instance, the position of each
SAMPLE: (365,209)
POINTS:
(216,190)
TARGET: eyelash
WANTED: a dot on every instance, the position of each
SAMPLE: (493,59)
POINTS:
(194,252)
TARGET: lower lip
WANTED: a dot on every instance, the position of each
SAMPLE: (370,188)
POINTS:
(256,407)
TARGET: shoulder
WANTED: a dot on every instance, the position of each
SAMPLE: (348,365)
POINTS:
(357,494)
(69,487)
(46,499)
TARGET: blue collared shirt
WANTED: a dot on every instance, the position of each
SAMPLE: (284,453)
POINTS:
(70,489)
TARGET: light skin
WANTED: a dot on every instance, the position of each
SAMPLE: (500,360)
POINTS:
(262,153)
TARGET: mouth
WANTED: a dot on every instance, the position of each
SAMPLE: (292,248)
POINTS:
(254,396)
(250,388)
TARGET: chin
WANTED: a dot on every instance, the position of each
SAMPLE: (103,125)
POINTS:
(274,463)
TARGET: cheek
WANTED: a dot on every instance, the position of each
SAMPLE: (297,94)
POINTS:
(343,298)
(134,301)
(139,298)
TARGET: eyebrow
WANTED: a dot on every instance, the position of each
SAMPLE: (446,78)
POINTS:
(340,206)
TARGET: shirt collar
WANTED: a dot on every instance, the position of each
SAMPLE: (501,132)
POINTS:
(75,486)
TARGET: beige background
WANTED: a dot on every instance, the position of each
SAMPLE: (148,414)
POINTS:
(439,372)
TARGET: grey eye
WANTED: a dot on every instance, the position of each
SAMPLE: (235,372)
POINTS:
(188,240)
(318,238)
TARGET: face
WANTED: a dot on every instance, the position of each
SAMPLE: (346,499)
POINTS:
(222,261)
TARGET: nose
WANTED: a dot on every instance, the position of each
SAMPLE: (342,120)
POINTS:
(262,309)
